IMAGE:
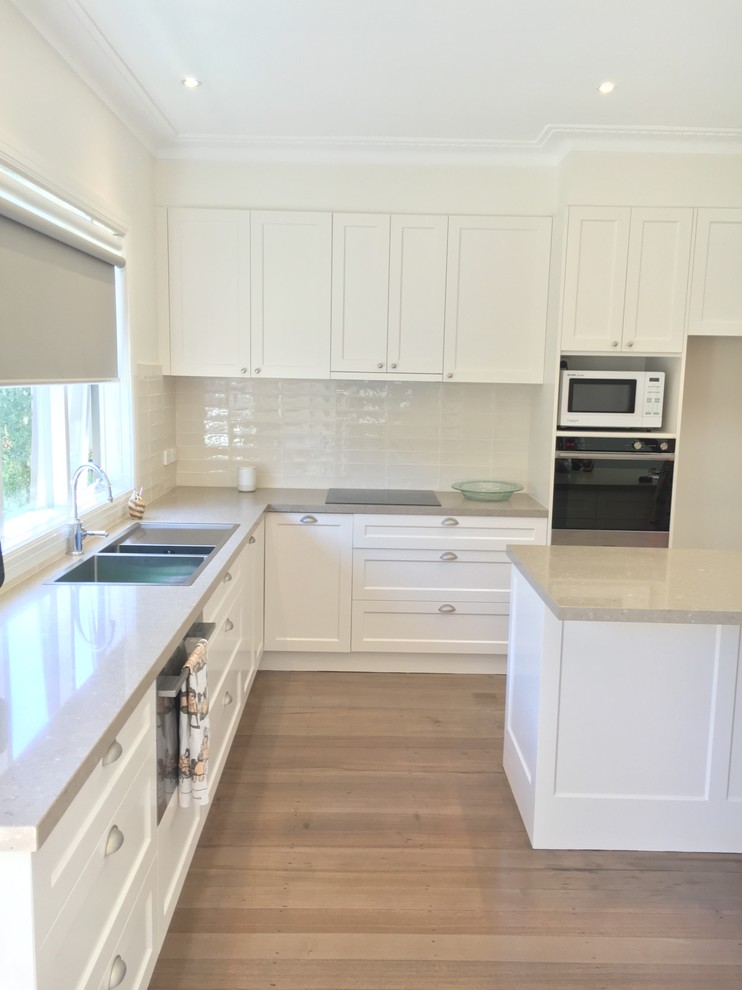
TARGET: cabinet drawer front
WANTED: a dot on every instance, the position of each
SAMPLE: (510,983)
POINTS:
(136,948)
(177,835)
(124,849)
(227,637)
(447,532)
(421,627)
(430,575)
(229,587)
(61,860)
(225,710)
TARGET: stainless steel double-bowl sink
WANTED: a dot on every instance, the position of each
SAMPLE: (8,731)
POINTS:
(151,553)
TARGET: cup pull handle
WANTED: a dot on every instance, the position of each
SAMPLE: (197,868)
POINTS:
(113,753)
(447,608)
(227,577)
(449,555)
(114,841)
(117,974)
(228,625)
(228,699)
(308,519)
(251,540)
(449,521)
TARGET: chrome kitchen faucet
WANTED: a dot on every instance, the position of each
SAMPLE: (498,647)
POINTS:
(78,532)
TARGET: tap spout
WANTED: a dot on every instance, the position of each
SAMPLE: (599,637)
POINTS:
(78,533)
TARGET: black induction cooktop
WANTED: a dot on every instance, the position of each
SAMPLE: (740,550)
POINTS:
(379,496)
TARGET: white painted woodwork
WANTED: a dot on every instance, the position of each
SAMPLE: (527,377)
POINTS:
(177,835)
(417,296)
(657,274)
(595,278)
(430,627)
(446,532)
(716,287)
(623,735)
(496,299)
(225,707)
(95,902)
(228,608)
(308,581)
(626,277)
(136,947)
(360,291)
(290,268)
(431,575)
(209,271)
(252,645)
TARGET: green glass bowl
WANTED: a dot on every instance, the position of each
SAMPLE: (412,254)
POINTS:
(487,491)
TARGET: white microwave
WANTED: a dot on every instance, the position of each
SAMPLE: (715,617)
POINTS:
(611,400)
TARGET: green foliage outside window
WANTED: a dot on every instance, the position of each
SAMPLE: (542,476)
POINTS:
(15,444)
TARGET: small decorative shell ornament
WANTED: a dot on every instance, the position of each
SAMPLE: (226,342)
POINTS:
(136,505)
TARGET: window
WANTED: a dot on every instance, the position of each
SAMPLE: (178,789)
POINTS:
(46,432)
(65,392)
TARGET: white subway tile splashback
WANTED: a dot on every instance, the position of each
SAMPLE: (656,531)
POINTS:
(317,434)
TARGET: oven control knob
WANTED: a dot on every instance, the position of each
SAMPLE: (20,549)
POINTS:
(664,445)
(638,445)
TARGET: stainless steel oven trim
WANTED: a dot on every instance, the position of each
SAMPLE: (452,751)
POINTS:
(603,455)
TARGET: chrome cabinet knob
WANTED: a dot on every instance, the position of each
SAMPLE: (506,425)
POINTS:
(394,365)
(449,375)
(243,371)
(614,343)
(380,364)
(257,371)
(629,343)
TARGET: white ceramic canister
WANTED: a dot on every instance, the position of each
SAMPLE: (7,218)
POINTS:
(246,478)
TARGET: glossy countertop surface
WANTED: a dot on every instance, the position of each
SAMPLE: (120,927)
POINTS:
(75,660)
(632,584)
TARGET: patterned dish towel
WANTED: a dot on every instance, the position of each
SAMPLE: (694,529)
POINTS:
(193,765)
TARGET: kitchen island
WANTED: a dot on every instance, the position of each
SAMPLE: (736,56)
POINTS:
(623,724)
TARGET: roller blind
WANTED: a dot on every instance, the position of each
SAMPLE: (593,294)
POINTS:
(57,310)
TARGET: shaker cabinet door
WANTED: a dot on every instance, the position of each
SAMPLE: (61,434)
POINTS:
(716,288)
(496,299)
(360,292)
(209,275)
(291,257)
(595,278)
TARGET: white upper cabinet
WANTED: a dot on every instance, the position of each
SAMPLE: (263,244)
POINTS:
(389,286)
(626,280)
(209,281)
(291,258)
(716,289)
(496,299)
(417,296)
(360,292)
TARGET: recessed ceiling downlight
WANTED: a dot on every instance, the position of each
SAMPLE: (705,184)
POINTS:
(606,87)
(190,82)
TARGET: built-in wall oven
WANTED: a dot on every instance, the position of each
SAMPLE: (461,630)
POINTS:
(612,491)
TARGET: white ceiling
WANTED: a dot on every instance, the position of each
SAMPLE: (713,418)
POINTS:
(409,79)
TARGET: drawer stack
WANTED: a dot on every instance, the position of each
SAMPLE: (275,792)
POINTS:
(93,879)
(434,584)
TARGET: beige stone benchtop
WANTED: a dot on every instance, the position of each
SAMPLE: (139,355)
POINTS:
(631,584)
(75,660)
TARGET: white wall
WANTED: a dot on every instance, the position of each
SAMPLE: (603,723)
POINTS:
(53,127)
(707,502)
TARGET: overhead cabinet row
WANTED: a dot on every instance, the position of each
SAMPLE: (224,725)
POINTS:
(635,279)
(320,295)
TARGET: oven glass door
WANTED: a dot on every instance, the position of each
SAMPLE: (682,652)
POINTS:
(599,491)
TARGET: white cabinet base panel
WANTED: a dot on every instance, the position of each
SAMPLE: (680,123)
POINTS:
(387,663)
(623,735)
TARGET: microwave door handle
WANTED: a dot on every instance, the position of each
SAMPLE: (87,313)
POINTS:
(604,455)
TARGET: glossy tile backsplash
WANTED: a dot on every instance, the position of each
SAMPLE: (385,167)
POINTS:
(155,429)
(316,434)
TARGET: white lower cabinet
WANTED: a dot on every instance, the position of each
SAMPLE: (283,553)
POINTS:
(378,583)
(308,566)
(435,584)
(426,627)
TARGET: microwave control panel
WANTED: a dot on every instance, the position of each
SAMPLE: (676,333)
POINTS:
(655,387)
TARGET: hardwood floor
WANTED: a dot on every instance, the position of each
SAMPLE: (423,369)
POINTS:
(364,838)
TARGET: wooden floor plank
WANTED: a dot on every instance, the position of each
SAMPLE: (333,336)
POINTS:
(365,838)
